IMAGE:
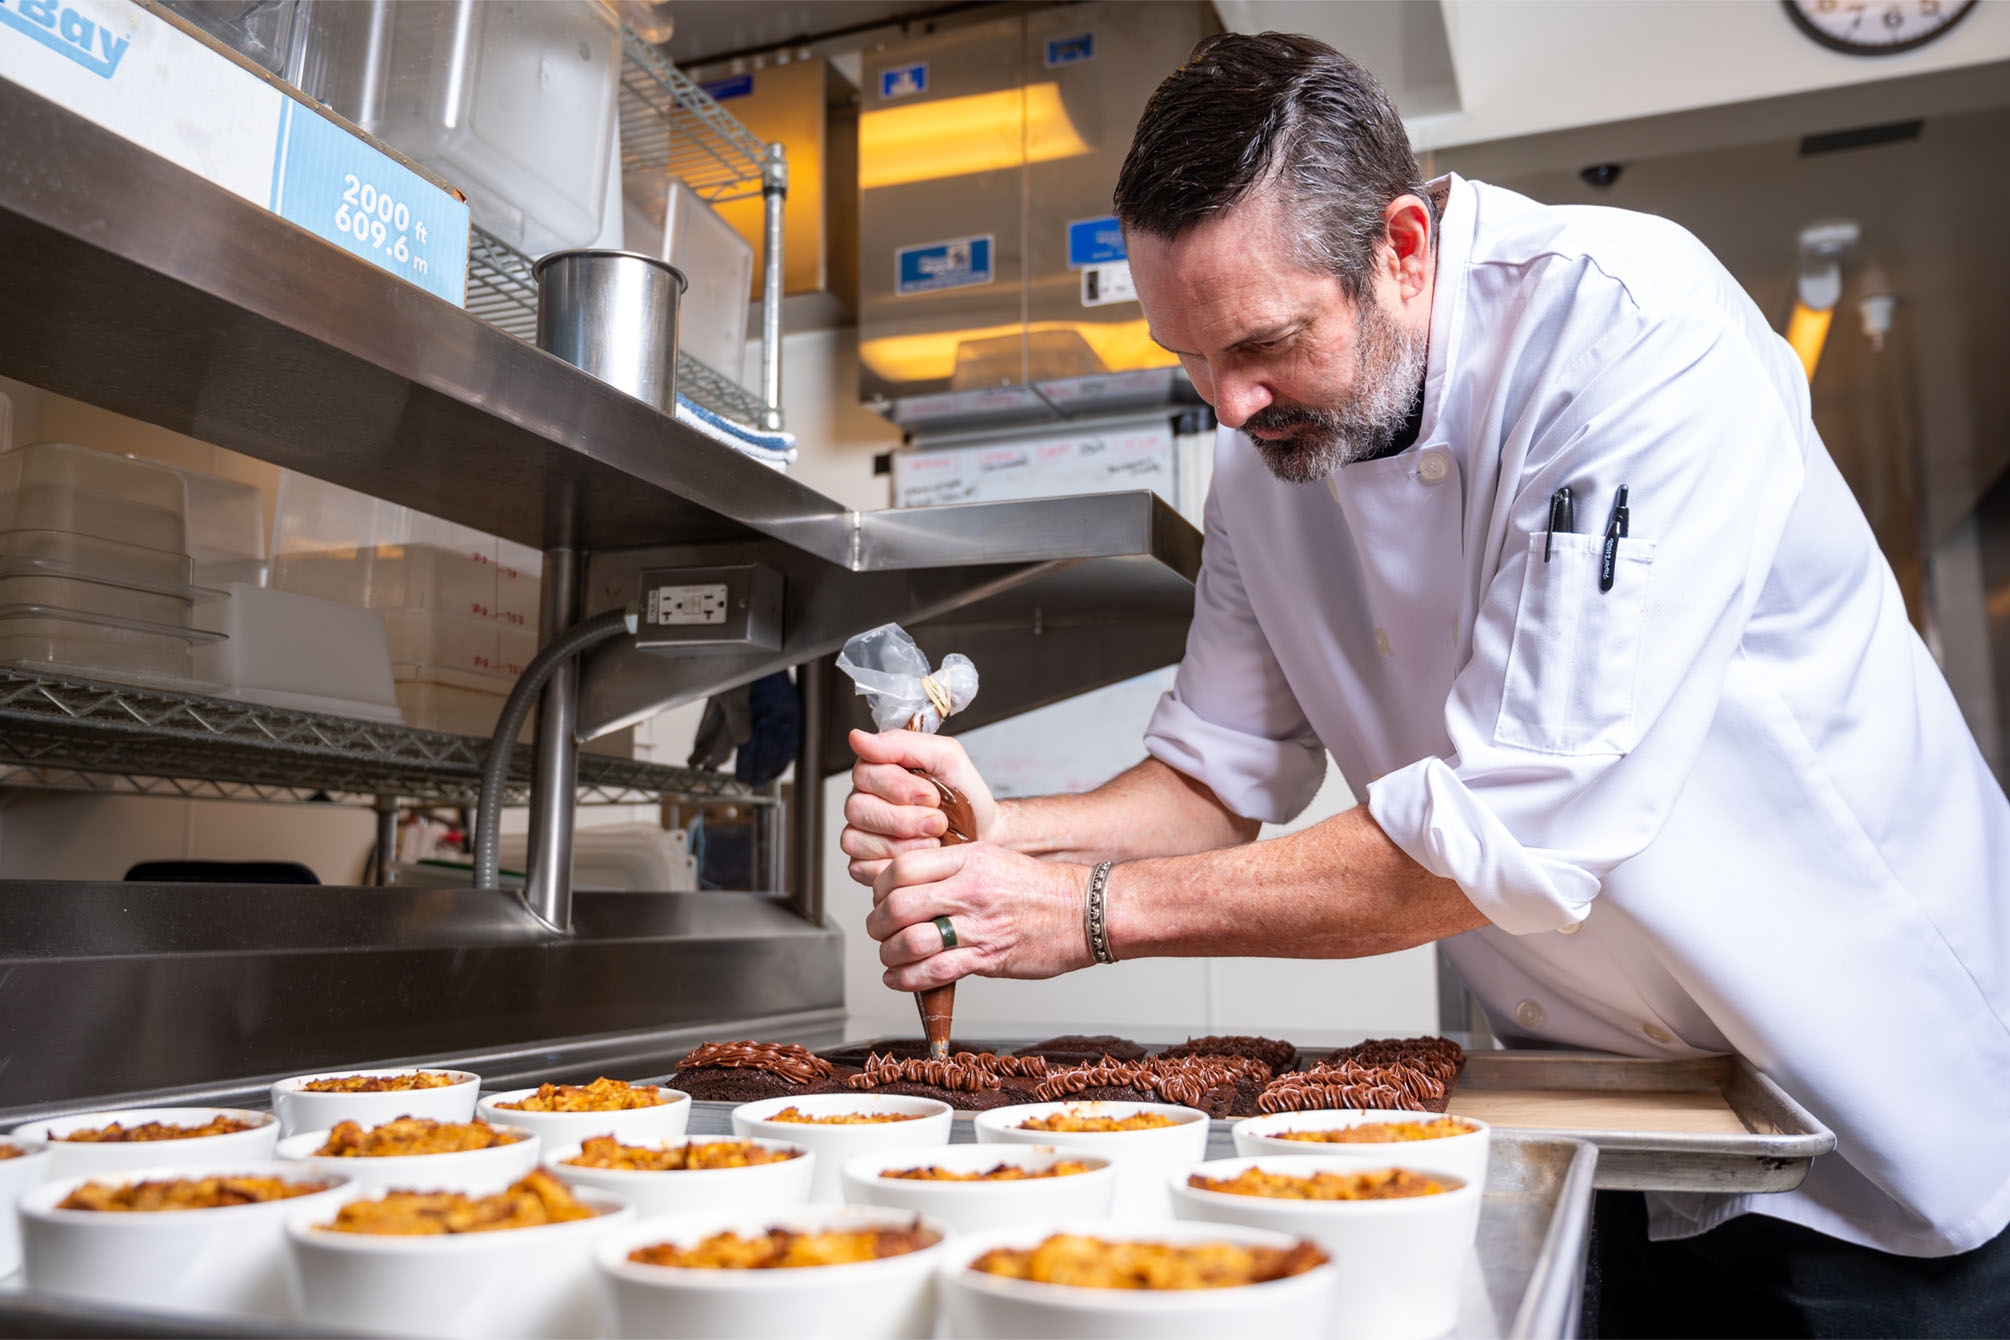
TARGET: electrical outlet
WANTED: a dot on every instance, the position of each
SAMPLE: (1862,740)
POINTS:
(694,608)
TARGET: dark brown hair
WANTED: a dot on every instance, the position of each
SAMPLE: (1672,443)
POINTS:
(1273,112)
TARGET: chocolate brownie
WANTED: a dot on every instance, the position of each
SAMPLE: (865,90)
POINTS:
(1077,1049)
(981,1101)
(743,1072)
(856,1054)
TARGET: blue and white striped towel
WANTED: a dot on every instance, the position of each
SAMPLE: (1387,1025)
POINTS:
(771,449)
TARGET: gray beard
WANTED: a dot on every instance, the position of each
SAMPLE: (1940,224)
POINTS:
(1389,363)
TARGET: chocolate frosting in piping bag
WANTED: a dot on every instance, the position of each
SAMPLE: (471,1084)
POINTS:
(893,673)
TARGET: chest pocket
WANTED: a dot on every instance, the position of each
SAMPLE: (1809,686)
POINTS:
(1575,659)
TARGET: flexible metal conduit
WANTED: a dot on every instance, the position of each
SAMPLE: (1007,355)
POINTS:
(502,745)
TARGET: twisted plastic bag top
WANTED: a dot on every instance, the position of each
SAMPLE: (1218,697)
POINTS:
(893,675)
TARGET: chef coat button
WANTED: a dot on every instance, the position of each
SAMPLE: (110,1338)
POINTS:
(1433,467)
(1530,1014)
(1382,641)
(1572,929)
(1656,1033)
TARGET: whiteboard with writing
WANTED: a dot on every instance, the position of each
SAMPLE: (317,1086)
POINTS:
(1135,456)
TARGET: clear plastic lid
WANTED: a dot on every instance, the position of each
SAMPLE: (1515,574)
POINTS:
(85,620)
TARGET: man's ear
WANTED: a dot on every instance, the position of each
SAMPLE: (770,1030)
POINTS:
(1408,221)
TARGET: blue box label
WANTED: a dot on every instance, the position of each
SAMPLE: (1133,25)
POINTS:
(901,81)
(1095,242)
(65,31)
(739,86)
(1070,50)
(343,191)
(961,263)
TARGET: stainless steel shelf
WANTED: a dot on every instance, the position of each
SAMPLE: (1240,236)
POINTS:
(71,734)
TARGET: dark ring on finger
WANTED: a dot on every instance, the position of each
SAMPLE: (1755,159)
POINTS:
(946,931)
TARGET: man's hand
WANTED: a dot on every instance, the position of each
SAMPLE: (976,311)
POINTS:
(890,810)
(1013,916)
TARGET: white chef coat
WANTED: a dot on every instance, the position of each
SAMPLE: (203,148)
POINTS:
(1729,805)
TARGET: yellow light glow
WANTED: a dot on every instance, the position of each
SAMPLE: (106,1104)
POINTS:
(1123,346)
(1808,331)
(953,137)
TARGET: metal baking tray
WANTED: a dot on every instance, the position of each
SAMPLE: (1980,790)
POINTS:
(1525,1277)
(1712,1123)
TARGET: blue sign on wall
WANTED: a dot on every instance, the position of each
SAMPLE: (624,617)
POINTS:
(960,263)
(1094,242)
(1069,50)
(901,80)
(739,86)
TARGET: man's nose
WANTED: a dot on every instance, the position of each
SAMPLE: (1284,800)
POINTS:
(1237,397)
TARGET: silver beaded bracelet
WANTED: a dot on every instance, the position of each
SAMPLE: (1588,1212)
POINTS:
(1095,918)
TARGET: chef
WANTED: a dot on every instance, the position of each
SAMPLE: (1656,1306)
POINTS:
(1518,512)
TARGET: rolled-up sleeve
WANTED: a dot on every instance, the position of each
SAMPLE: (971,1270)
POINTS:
(1231,720)
(1578,719)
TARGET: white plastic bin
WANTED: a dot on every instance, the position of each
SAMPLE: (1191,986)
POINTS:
(294,651)
(337,544)
(424,641)
(511,100)
(670,220)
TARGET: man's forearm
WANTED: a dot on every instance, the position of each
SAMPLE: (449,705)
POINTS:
(1340,889)
(1148,810)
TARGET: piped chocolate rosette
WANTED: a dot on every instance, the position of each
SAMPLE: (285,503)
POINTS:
(1398,1086)
(741,1072)
(968,1080)
(1276,1053)
(1440,1058)
(1218,1085)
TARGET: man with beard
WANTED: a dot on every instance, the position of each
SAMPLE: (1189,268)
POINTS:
(1519,513)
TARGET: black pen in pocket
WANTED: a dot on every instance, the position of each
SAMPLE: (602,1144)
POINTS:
(1615,530)
(1562,517)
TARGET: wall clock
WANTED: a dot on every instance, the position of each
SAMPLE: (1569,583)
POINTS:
(1876,27)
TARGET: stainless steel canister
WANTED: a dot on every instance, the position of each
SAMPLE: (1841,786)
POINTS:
(613,314)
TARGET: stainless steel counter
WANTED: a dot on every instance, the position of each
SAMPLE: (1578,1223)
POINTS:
(108,990)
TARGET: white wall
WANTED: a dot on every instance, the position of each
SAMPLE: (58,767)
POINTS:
(836,437)
(1304,999)
(1528,67)
(1532,66)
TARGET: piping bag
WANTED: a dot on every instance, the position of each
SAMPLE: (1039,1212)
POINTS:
(893,674)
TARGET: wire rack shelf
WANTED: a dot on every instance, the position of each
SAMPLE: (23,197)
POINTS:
(668,125)
(502,292)
(64,733)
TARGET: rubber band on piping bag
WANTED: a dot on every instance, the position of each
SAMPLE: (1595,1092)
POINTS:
(893,674)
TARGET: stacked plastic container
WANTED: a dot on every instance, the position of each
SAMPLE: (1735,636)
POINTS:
(514,101)
(460,606)
(95,573)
